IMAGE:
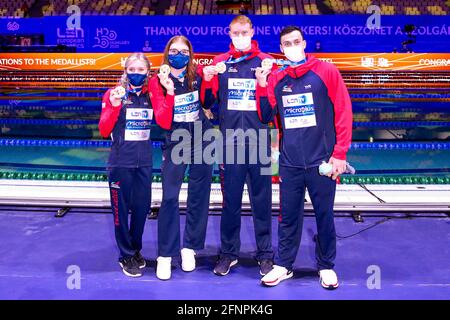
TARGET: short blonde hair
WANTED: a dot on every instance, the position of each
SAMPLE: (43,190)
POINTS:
(241,19)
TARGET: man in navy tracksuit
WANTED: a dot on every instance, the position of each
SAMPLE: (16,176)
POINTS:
(312,108)
(235,92)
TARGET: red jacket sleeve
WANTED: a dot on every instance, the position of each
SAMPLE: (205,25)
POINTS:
(109,116)
(265,96)
(265,101)
(343,117)
(207,99)
(213,84)
(162,103)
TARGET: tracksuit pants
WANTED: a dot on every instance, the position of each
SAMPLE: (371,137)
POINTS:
(233,177)
(322,190)
(130,191)
(199,189)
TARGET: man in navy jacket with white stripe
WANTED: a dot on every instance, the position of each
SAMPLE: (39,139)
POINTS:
(310,104)
(235,91)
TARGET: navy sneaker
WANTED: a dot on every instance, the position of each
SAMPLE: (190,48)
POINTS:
(223,265)
(130,267)
(265,266)
(140,260)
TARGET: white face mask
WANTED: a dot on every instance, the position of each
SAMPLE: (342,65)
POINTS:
(295,53)
(242,42)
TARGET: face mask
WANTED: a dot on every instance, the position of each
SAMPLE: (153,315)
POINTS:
(242,42)
(178,61)
(294,54)
(137,79)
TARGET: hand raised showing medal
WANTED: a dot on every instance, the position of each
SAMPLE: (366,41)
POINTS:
(164,70)
(221,67)
(165,80)
(262,72)
(261,76)
(209,72)
(267,64)
(116,95)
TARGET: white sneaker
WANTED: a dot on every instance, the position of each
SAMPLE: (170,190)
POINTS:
(164,268)
(328,279)
(276,275)
(187,260)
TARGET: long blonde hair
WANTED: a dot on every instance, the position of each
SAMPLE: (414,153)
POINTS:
(133,57)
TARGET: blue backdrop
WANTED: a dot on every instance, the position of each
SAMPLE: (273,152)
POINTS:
(337,33)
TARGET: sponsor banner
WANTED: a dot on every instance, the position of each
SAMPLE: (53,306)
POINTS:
(388,61)
(116,61)
(79,61)
(209,33)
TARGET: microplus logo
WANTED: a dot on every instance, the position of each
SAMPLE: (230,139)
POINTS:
(138,124)
(301,110)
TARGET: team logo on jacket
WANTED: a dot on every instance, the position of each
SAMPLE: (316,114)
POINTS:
(115,185)
(287,88)
(299,111)
(232,69)
(186,107)
(138,114)
(138,123)
(242,94)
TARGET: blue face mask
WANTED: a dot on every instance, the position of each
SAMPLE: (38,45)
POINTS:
(178,61)
(137,79)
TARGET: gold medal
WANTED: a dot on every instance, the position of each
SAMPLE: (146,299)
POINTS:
(164,70)
(120,91)
(267,64)
(221,67)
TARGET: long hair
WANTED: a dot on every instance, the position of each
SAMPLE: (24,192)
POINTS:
(131,58)
(191,66)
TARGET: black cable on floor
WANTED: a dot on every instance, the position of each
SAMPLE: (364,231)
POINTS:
(408,216)
(365,188)
(365,229)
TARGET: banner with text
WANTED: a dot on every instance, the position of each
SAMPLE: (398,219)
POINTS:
(115,61)
(337,33)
